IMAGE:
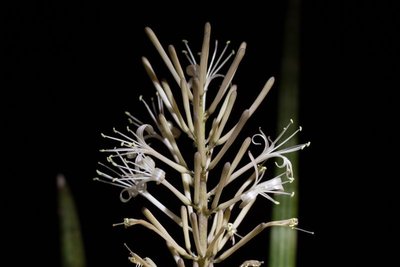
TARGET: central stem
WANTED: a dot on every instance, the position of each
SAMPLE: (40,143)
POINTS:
(202,212)
(199,112)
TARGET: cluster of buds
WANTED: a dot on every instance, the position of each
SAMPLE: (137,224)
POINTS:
(206,222)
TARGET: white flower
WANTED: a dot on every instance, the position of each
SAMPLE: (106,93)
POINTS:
(133,178)
(215,64)
(131,147)
(131,175)
(131,187)
(155,110)
(142,169)
(273,149)
(272,186)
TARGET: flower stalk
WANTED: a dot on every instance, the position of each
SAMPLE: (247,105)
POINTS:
(211,208)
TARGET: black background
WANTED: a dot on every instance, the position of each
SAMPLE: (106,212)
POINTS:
(73,67)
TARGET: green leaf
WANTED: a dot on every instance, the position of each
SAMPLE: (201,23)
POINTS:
(283,242)
(72,248)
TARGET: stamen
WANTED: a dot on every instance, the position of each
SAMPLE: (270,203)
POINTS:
(212,67)
(132,119)
(302,230)
(217,68)
(153,117)
(190,57)
(212,58)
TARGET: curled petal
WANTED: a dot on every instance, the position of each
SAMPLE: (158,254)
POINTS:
(131,192)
